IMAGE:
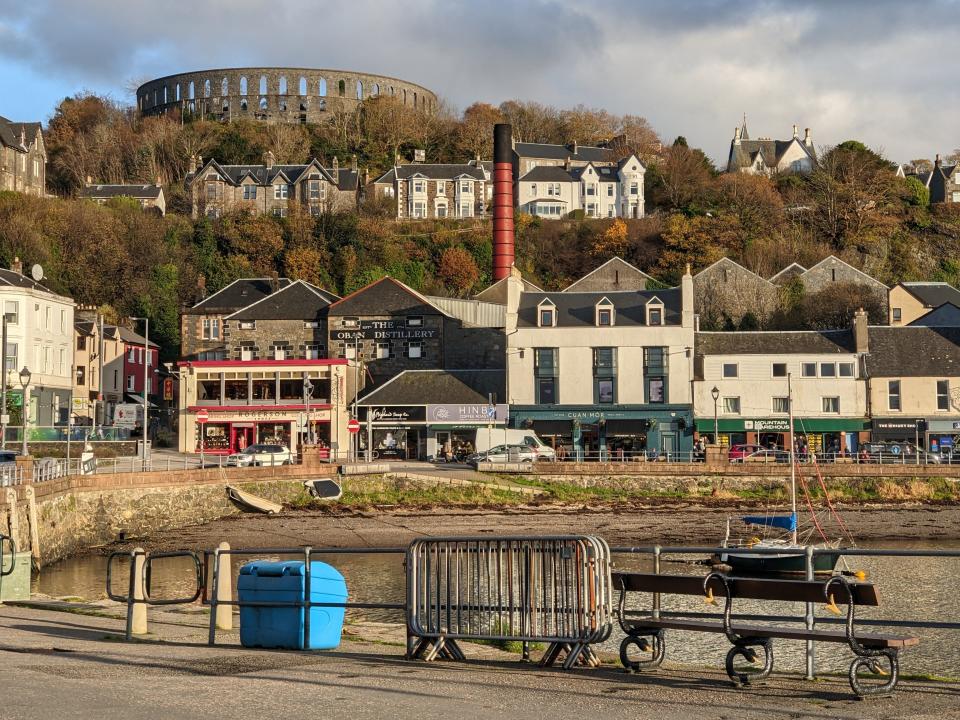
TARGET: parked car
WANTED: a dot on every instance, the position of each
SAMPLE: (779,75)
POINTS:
(8,467)
(767,456)
(899,452)
(738,452)
(504,453)
(261,454)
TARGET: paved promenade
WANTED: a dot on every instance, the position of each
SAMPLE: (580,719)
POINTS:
(69,665)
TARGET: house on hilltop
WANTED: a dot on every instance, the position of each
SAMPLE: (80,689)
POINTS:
(765,156)
(23,157)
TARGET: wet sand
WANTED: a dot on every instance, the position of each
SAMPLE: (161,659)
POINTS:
(646,523)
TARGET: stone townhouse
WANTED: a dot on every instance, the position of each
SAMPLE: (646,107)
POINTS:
(944,182)
(147,196)
(765,156)
(615,274)
(289,324)
(271,188)
(23,157)
(422,190)
(913,302)
(599,190)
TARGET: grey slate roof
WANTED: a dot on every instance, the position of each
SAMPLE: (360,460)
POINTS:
(933,294)
(145,192)
(547,173)
(128,335)
(11,131)
(438,171)
(913,351)
(578,309)
(774,343)
(297,301)
(239,294)
(584,153)
(437,387)
(790,271)
(15,279)
(345,179)
(385,296)
(744,153)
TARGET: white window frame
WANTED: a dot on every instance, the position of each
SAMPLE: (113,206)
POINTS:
(279,352)
(383,350)
(415,350)
(246,353)
(803,369)
(731,405)
(131,383)
(850,367)
(725,366)
(415,321)
(441,187)
(891,395)
(832,372)
(830,404)
(419,187)
(783,402)
(281,191)
(312,351)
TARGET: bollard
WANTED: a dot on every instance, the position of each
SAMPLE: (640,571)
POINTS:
(14,514)
(137,612)
(225,589)
(34,527)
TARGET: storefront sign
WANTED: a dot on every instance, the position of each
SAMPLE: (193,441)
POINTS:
(480,413)
(394,414)
(254,415)
(899,426)
(395,329)
(770,425)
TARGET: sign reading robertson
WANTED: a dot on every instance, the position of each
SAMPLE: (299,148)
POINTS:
(480,413)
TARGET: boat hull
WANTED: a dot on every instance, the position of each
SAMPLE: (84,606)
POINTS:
(746,562)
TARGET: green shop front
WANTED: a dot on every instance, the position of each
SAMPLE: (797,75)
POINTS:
(821,434)
(609,432)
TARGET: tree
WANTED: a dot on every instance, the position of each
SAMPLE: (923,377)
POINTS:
(387,125)
(833,306)
(681,177)
(475,130)
(921,165)
(588,126)
(753,199)
(635,136)
(458,270)
(307,263)
(612,242)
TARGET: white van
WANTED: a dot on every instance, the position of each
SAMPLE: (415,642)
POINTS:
(487,439)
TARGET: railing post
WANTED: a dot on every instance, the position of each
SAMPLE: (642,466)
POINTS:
(656,569)
(809,617)
(224,613)
(214,598)
(137,611)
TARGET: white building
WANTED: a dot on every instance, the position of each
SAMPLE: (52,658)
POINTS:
(600,190)
(767,156)
(602,371)
(40,338)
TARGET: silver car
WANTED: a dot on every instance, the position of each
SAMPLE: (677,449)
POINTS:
(261,454)
(504,454)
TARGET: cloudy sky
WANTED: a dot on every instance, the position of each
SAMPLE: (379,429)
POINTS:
(881,71)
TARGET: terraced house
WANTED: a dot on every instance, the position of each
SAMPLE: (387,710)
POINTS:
(271,188)
(23,157)
(424,190)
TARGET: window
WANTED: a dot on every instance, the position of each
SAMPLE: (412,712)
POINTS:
(897,314)
(315,190)
(781,405)
(466,210)
(553,189)
(731,405)
(131,383)
(415,350)
(311,323)
(247,324)
(545,371)
(731,370)
(279,352)
(81,342)
(415,321)
(246,353)
(828,370)
(419,186)
(634,188)
(132,355)
(211,328)
(313,352)
(441,187)
(60,362)
(63,321)
(605,316)
(590,189)
(281,191)
(609,190)
(383,351)
(11,357)
(350,352)
(893,395)
(280,212)
(213,191)
(441,210)
(81,375)
(591,209)
(808,369)
(419,209)
(779,370)
(46,317)
(249,192)
(12,309)
(546,317)
(655,374)
(466,186)
(604,375)
(831,404)
(533,189)
(846,370)
(943,394)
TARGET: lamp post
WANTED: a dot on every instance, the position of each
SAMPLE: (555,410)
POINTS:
(307,394)
(25,383)
(146,382)
(715,394)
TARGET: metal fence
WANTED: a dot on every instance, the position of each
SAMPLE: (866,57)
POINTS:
(766,457)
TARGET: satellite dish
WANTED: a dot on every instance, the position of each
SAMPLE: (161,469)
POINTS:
(36,272)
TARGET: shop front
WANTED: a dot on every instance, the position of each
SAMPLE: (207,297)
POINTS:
(943,436)
(231,430)
(605,432)
(817,435)
(899,431)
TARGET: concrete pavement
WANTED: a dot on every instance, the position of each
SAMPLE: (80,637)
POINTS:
(68,665)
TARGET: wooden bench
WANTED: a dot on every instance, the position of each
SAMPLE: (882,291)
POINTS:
(647,632)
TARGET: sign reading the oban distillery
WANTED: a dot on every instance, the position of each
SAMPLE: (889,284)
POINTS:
(395,329)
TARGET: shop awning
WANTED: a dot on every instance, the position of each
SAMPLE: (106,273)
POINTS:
(627,427)
(774,425)
(138,399)
(553,427)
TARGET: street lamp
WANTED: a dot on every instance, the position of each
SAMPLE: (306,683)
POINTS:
(24,383)
(146,380)
(307,394)
(715,394)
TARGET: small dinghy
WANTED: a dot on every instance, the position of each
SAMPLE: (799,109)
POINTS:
(246,501)
(325,489)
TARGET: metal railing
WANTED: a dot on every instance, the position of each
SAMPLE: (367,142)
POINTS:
(768,457)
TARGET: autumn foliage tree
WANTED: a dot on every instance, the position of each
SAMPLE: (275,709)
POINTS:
(458,270)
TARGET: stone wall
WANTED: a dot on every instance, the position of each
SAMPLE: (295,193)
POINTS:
(80,512)
(292,334)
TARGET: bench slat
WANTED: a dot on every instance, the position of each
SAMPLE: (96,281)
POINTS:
(864,594)
(874,640)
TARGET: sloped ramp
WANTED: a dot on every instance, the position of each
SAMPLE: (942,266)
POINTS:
(251,503)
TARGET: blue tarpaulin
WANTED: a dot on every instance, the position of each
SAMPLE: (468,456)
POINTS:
(787,522)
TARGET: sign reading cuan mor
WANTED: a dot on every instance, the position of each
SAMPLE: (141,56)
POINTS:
(394,329)
(479,413)
(768,425)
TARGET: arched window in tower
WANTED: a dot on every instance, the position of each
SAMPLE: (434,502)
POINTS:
(322,87)
(243,105)
(177,92)
(154,98)
(303,86)
(282,88)
(243,85)
(376,89)
(404,96)
(342,88)
(206,88)
(414,100)
(263,103)
(263,84)
(165,94)
(359,90)
(191,92)
(224,87)
(392,91)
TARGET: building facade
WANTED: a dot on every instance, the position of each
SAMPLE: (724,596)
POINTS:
(600,374)
(147,196)
(527,156)
(944,182)
(40,339)
(600,191)
(270,188)
(770,157)
(23,157)
(423,190)
(264,401)
(909,302)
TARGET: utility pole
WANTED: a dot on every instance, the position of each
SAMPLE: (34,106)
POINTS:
(101,411)
(3,412)
(146,385)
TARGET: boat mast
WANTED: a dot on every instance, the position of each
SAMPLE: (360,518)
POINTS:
(793,460)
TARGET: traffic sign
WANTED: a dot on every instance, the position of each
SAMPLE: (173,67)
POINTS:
(353,426)
(202,416)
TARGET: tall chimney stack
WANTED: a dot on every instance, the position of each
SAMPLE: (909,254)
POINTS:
(502,200)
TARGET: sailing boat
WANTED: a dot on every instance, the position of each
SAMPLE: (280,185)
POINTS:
(791,554)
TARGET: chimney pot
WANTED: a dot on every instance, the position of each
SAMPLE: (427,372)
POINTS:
(806,136)
(353,163)
(336,164)
(795,133)
(937,161)
(269,159)
(861,333)
(17,266)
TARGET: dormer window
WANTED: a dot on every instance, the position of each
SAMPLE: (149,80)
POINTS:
(546,314)
(604,313)
(655,311)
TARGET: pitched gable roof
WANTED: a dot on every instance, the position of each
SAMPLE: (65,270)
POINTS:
(578,309)
(11,133)
(297,301)
(946,315)
(547,151)
(615,274)
(497,292)
(774,342)
(437,171)
(547,173)
(913,351)
(139,192)
(386,296)
(344,178)
(15,279)
(422,387)
(744,153)
(790,271)
(734,265)
(239,294)
(933,294)
(834,258)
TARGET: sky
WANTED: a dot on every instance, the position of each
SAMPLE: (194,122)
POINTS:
(879,71)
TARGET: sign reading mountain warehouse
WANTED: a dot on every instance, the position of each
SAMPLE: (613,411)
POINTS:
(394,329)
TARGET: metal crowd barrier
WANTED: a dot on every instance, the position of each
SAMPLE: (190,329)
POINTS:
(4,570)
(551,589)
